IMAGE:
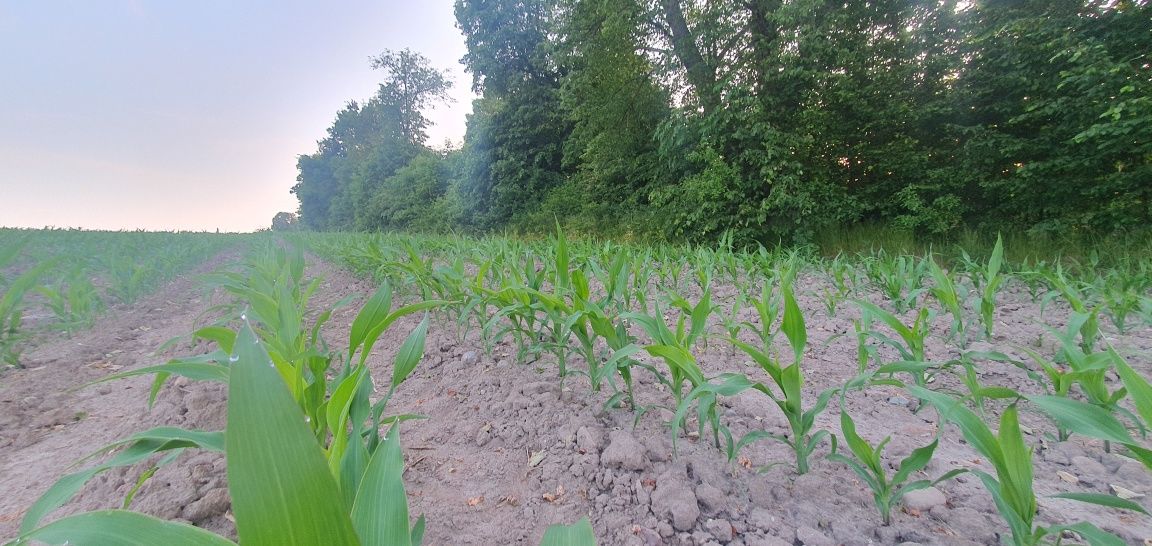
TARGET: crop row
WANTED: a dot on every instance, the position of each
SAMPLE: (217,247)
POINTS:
(606,304)
(307,461)
(609,312)
(62,280)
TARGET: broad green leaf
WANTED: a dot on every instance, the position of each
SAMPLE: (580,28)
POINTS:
(1093,534)
(971,426)
(374,310)
(223,337)
(1017,472)
(122,528)
(1138,387)
(577,534)
(380,513)
(1082,418)
(793,325)
(1103,500)
(140,446)
(282,491)
(914,462)
(410,353)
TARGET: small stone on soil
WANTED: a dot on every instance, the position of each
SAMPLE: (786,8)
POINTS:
(924,500)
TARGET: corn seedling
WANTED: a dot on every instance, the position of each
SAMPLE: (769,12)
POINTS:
(870,467)
(990,286)
(788,382)
(1121,293)
(910,344)
(73,300)
(951,296)
(1089,329)
(1011,459)
(897,277)
(11,312)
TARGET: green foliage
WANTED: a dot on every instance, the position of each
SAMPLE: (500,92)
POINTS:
(886,491)
(1011,487)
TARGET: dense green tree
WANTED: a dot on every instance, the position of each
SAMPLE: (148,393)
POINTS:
(519,122)
(765,119)
(368,143)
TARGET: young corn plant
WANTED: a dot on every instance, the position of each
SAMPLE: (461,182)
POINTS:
(1011,459)
(1089,329)
(990,286)
(786,390)
(73,299)
(951,295)
(910,343)
(897,277)
(12,312)
(869,465)
(675,347)
(1121,292)
(281,487)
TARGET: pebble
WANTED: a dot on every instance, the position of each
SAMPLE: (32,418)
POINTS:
(1124,492)
(924,500)
(898,401)
(470,358)
(1067,476)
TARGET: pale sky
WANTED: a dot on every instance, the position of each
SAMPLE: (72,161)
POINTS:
(189,115)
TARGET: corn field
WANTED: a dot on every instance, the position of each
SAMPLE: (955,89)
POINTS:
(684,339)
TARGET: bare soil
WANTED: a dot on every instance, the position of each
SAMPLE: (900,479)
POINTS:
(506,450)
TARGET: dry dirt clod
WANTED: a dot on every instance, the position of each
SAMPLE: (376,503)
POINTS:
(1124,492)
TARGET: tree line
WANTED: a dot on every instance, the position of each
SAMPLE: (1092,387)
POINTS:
(767,119)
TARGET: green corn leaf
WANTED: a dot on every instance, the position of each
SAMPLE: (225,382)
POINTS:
(1093,534)
(1016,475)
(375,310)
(561,259)
(1021,529)
(336,415)
(192,370)
(865,474)
(577,534)
(418,531)
(971,426)
(410,353)
(1103,500)
(914,462)
(793,325)
(859,446)
(139,447)
(1082,418)
(380,513)
(1138,387)
(223,337)
(122,528)
(679,358)
(996,260)
(282,490)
